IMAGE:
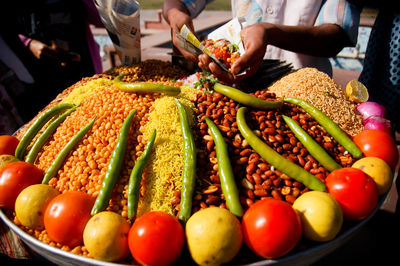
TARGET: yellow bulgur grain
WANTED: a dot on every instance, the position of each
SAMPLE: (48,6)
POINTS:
(80,92)
(320,90)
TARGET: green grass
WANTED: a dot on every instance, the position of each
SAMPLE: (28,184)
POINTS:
(157,4)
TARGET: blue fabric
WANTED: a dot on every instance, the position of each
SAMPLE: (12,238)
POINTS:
(381,70)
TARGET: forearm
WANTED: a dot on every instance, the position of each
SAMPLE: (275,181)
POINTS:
(326,40)
(173,8)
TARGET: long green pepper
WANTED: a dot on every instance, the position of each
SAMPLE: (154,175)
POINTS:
(41,140)
(114,167)
(227,179)
(59,160)
(144,87)
(36,126)
(189,166)
(331,127)
(136,176)
(311,145)
(245,98)
(275,159)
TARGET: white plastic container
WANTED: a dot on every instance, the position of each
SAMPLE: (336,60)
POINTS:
(122,21)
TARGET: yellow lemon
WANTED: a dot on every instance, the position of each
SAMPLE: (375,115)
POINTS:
(31,204)
(378,170)
(321,215)
(214,236)
(106,236)
(6,159)
(356,91)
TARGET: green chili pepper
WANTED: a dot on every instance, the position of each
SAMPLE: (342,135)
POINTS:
(41,140)
(136,177)
(114,167)
(331,127)
(189,167)
(311,145)
(36,126)
(145,87)
(59,160)
(275,159)
(225,172)
(246,99)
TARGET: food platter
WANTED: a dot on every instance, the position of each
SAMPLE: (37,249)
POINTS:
(281,174)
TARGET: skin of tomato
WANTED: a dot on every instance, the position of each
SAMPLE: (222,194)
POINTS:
(156,238)
(14,177)
(271,228)
(355,191)
(66,216)
(8,144)
(376,143)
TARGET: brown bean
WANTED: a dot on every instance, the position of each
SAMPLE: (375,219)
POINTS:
(242,160)
(249,202)
(269,131)
(212,199)
(276,195)
(253,158)
(250,168)
(245,152)
(308,165)
(290,199)
(250,194)
(257,178)
(263,166)
(301,160)
(280,138)
(260,193)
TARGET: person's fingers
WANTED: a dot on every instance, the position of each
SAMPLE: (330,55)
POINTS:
(204,61)
(221,74)
(185,54)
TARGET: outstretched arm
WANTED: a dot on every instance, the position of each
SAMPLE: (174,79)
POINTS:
(177,15)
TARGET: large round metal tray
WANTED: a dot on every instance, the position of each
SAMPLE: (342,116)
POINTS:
(306,257)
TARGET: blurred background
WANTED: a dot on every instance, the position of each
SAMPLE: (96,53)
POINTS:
(156,40)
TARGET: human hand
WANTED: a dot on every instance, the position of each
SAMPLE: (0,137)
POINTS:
(177,19)
(42,51)
(207,64)
(255,42)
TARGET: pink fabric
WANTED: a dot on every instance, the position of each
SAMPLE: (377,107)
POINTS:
(25,40)
(93,18)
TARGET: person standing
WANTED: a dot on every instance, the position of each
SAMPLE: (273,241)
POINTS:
(304,33)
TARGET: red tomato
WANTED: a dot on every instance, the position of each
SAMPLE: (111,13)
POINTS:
(355,191)
(14,177)
(66,216)
(376,143)
(8,144)
(156,238)
(271,228)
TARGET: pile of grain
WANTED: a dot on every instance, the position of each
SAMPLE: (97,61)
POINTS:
(320,90)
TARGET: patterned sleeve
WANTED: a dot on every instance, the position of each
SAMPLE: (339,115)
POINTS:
(342,13)
(195,6)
